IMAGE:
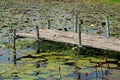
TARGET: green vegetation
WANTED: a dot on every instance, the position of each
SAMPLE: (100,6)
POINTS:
(83,1)
(56,60)
(116,1)
(56,66)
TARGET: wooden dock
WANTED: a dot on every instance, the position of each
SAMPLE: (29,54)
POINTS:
(72,38)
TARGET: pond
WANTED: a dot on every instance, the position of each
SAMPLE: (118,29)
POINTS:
(54,65)
(56,61)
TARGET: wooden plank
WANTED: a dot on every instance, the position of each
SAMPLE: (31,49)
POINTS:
(72,38)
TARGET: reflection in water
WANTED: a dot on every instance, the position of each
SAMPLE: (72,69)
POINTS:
(74,75)
(14,58)
(79,77)
(37,66)
(43,64)
(59,69)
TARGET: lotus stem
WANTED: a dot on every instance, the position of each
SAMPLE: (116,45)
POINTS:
(101,65)
(95,66)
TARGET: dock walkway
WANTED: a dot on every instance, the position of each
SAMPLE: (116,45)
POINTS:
(72,38)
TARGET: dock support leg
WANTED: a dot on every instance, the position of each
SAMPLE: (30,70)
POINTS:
(14,45)
(108,26)
(79,38)
(38,38)
(79,35)
(48,24)
(76,22)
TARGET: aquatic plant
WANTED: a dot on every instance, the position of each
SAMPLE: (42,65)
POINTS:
(86,74)
(57,60)
(101,65)
(95,66)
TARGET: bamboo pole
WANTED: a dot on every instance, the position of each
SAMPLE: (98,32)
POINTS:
(48,24)
(38,38)
(79,35)
(14,45)
(76,22)
(107,26)
(14,39)
(37,30)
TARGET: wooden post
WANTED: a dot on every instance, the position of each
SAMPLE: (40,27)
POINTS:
(108,26)
(48,24)
(14,39)
(38,38)
(14,45)
(79,35)
(37,30)
(76,22)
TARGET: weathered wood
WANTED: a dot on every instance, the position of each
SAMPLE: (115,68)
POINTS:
(14,38)
(76,22)
(38,38)
(48,24)
(108,26)
(14,45)
(79,35)
(72,38)
(37,31)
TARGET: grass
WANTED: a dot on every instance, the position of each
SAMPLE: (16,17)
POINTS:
(116,1)
(83,1)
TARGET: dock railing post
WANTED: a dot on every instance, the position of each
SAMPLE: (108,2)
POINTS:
(79,35)
(14,45)
(107,26)
(76,22)
(48,24)
(38,38)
